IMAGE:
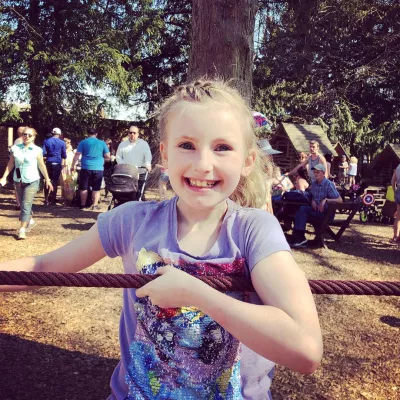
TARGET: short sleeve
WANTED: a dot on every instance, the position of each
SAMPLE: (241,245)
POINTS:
(117,228)
(263,237)
(79,149)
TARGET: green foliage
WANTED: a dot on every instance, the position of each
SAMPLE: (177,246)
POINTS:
(70,59)
(336,61)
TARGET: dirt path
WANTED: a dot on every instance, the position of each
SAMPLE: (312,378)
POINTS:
(63,343)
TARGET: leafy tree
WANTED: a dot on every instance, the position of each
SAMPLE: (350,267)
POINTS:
(319,57)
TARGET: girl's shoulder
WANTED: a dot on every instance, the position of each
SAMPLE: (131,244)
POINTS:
(247,216)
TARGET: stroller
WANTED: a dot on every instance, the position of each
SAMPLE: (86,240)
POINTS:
(127,183)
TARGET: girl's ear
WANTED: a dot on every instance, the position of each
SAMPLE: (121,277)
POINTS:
(249,163)
(164,154)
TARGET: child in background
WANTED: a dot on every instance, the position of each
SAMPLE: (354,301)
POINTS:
(352,170)
(343,167)
(180,338)
(162,182)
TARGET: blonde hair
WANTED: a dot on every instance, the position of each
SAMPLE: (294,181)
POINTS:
(251,190)
(353,160)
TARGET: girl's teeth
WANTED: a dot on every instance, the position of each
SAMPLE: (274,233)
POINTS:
(201,183)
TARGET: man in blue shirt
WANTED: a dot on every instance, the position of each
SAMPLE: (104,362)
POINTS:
(323,192)
(55,153)
(94,152)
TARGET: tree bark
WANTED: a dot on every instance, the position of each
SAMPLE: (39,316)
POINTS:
(222,41)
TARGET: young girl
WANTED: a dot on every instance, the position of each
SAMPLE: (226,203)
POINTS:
(181,339)
(162,182)
(352,170)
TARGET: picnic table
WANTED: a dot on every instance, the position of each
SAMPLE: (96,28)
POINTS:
(325,226)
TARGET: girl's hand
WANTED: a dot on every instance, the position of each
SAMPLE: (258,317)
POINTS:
(173,289)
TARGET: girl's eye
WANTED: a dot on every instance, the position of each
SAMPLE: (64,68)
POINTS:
(186,146)
(223,147)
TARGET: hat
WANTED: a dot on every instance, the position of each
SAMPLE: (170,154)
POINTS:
(56,131)
(319,167)
(266,148)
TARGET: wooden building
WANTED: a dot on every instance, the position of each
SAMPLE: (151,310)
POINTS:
(292,139)
(381,168)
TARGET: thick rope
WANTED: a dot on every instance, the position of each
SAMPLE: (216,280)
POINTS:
(223,284)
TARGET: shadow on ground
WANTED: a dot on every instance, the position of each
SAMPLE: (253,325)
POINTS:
(46,372)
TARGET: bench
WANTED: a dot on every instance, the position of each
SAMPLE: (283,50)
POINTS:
(325,226)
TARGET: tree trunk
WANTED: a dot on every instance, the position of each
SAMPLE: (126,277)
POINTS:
(222,41)
(34,66)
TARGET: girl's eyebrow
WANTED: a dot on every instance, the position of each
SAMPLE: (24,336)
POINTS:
(184,137)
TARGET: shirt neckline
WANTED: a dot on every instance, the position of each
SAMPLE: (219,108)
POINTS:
(213,252)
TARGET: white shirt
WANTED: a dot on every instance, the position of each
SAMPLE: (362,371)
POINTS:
(137,154)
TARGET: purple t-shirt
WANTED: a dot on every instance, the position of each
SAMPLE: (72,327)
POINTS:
(183,353)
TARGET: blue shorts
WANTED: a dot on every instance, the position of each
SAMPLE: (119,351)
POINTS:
(164,177)
(90,178)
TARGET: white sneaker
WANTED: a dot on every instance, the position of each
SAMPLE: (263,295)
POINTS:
(31,225)
(21,234)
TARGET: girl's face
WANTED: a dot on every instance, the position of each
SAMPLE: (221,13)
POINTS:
(205,154)
(28,136)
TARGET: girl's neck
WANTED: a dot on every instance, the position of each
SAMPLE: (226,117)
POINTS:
(197,218)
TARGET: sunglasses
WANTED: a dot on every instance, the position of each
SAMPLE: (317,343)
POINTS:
(27,135)
(132,133)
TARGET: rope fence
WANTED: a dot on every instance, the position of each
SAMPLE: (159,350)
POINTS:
(222,284)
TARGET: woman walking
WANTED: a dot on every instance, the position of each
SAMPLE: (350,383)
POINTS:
(27,159)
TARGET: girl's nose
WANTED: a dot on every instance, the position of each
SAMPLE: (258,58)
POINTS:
(203,161)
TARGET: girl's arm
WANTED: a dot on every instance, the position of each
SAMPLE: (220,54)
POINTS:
(294,170)
(9,167)
(79,254)
(284,330)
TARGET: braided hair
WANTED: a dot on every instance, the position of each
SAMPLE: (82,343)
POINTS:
(251,190)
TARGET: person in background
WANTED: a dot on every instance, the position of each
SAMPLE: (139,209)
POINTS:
(70,156)
(313,159)
(54,150)
(323,191)
(162,182)
(343,168)
(352,170)
(27,159)
(94,153)
(301,180)
(109,166)
(66,176)
(18,140)
(328,158)
(396,189)
(268,152)
(134,151)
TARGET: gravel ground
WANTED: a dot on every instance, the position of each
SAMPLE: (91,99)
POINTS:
(63,343)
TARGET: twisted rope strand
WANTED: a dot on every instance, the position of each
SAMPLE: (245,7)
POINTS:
(223,284)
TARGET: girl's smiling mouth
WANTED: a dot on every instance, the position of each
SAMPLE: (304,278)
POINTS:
(198,183)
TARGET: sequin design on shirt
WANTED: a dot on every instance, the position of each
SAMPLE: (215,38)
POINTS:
(181,353)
